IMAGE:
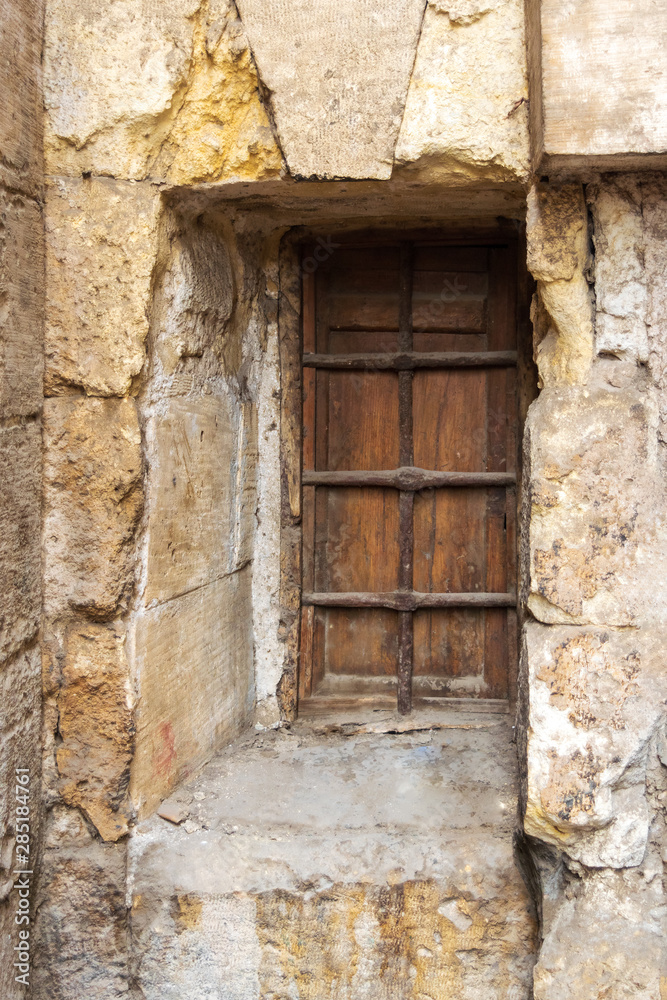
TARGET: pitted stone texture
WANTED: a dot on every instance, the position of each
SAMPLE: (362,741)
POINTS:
(95,723)
(562,315)
(102,244)
(20,521)
(167,91)
(603,94)
(466,115)
(194,674)
(338,79)
(201,495)
(654,211)
(81,932)
(20,84)
(376,866)
(20,746)
(197,296)
(93,502)
(597,531)
(596,700)
(21,305)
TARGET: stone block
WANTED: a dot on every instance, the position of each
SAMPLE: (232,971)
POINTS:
(96,726)
(348,866)
(93,502)
(167,92)
(194,668)
(101,250)
(201,507)
(466,114)
(20,84)
(20,724)
(596,698)
(338,81)
(597,540)
(20,523)
(82,928)
(21,305)
(599,84)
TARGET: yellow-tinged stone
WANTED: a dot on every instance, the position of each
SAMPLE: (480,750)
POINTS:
(95,723)
(102,245)
(166,92)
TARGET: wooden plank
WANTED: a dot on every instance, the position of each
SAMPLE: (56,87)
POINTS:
(363,407)
(309,394)
(410,360)
(361,642)
(401,601)
(361,541)
(407,478)
(306,653)
(450,420)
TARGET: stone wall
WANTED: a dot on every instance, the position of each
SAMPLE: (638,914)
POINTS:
(21,335)
(596,552)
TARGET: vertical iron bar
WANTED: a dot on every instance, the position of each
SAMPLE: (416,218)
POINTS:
(406,497)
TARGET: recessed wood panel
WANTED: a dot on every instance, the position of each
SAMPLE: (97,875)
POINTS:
(372,548)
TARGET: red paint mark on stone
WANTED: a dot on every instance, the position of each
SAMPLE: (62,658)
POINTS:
(166,755)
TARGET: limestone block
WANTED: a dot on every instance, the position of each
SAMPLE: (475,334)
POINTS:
(81,933)
(21,305)
(620,278)
(621,919)
(167,91)
(378,867)
(93,501)
(197,300)
(20,724)
(596,699)
(20,84)
(557,234)
(201,508)
(654,213)
(20,522)
(466,113)
(95,723)
(597,534)
(600,70)
(102,243)
(338,79)
(193,663)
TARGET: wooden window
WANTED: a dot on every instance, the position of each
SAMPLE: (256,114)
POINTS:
(409,475)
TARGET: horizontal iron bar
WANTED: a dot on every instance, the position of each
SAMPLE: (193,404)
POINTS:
(409,360)
(407,478)
(398,600)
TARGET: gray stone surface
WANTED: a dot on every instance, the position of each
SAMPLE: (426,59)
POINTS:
(604,99)
(338,76)
(365,866)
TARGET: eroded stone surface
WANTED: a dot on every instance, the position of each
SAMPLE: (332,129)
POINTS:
(95,723)
(557,233)
(338,80)
(20,517)
(331,866)
(596,494)
(21,305)
(93,501)
(193,662)
(166,91)
(598,697)
(102,241)
(466,114)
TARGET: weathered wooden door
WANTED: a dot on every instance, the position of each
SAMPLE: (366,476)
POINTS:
(409,472)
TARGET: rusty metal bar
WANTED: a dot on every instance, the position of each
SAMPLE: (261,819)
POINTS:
(408,478)
(408,360)
(399,600)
